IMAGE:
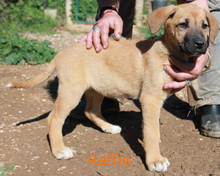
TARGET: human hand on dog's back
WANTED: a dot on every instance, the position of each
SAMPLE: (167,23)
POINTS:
(109,21)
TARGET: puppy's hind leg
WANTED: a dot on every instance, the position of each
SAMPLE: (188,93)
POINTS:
(93,112)
(68,98)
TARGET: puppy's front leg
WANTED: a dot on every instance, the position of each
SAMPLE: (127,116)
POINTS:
(151,134)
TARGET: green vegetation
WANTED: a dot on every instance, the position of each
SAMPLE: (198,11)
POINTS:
(147,34)
(60,5)
(86,10)
(16,50)
(5,171)
(19,16)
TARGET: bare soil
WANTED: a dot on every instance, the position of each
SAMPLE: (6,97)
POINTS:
(24,134)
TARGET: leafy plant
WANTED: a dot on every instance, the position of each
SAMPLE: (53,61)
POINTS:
(5,171)
(24,15)
(86,9)
(149,35)
(16,50)
(59,5)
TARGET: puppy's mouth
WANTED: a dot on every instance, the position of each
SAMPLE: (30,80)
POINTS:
(194,46)
(192,51)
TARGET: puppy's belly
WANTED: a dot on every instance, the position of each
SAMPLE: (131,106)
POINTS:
(118,89)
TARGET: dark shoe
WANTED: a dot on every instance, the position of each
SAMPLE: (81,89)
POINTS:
(209,119)
(108,106)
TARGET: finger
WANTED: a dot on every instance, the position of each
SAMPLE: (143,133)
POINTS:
(104,36)
(174,85)
(83,39)
(177,74)
(89,40)
(96,41)
(118,29)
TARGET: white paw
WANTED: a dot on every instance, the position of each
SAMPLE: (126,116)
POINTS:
(160,167)
(9,85)
(116,129)
(65,154)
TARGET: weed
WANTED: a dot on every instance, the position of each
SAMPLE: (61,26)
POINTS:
(17,50)
(145,31)
(20,16)
(5,171)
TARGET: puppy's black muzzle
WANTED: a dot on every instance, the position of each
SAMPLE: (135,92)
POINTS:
(194,44)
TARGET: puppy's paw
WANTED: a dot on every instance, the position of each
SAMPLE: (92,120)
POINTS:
(116,129)
(65,154)
(159,166)
(113,129)
(9,85)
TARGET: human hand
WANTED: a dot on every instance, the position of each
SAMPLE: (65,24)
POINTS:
(99,39)
(186,71)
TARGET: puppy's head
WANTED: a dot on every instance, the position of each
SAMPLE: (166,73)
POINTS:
(188,28)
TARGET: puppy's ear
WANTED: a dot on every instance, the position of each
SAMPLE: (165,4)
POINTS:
(157,18)
(213,25)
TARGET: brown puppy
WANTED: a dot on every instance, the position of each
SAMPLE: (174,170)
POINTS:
(128,69)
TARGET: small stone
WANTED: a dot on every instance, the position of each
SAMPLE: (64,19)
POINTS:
(63,167)
(25,166)
(35,157)
(17,166)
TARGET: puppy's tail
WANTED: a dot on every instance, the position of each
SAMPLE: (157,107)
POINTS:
(37,79)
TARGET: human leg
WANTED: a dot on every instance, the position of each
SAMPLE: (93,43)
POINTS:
(206,92)
(127,11)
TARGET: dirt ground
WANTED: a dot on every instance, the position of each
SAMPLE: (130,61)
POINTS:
(24,133)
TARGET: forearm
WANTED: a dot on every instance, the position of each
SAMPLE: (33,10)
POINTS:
(113,3)
(201,3)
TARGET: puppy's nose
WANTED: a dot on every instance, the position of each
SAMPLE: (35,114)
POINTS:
(199,44)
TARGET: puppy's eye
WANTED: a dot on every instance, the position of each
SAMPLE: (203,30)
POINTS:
(183,25)
(204,26)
